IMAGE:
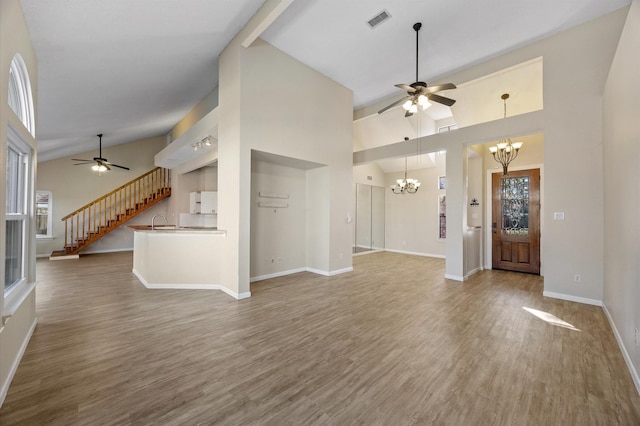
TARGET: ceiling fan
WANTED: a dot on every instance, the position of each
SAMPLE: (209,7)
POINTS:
(418,93)
(101,164)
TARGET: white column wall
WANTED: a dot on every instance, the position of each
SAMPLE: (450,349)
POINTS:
(261,109)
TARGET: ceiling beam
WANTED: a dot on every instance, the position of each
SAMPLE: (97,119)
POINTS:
(519,125)
(264,17)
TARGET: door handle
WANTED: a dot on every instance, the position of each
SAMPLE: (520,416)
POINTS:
(494,225)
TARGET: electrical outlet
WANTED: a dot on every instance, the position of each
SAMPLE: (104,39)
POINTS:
(577,278)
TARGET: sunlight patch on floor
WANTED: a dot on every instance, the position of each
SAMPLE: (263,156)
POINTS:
(550,318)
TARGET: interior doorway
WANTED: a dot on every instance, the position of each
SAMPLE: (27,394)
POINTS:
(515,221)
(369,221)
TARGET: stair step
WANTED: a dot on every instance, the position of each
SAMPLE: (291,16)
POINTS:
(96,233)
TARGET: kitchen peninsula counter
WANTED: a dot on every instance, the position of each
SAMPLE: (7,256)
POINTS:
(170,257)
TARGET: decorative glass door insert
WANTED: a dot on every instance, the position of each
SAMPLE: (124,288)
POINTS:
(514,200)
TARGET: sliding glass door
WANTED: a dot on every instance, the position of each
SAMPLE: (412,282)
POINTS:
(369,222)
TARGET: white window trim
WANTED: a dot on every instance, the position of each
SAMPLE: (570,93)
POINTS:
(49,234)
(14,296)
(18,71)
(448,128)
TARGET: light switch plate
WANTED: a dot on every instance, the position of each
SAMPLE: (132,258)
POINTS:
(558,215)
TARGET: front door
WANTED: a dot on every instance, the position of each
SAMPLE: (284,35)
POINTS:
(516,221)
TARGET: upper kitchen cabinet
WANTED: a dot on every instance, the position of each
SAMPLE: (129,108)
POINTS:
(204,202)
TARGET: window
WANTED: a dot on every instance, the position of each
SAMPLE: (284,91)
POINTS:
(44,205)
(16,212)
(447,128)
(20,99)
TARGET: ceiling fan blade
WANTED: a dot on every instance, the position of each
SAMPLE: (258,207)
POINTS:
(107,163)
(80,159)
(120,167)
(408,114)
(441,99)
(398,102)
(441,87)
(82,164)
(405,87)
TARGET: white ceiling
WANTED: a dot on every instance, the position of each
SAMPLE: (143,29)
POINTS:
(132,69)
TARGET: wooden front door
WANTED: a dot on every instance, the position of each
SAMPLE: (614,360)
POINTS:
(516,221)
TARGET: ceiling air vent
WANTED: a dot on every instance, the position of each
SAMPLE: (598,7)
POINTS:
(379,19)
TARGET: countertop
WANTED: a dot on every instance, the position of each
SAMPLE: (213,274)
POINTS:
(173,229)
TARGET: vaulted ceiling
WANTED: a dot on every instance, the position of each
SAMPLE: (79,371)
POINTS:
(132,69)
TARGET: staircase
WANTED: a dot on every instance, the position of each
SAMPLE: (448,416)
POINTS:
(93,221)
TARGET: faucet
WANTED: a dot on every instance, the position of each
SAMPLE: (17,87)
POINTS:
(154,218)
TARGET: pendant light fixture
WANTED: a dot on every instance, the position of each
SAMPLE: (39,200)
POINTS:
(505,151)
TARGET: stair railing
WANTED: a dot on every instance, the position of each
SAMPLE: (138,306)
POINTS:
(110,210)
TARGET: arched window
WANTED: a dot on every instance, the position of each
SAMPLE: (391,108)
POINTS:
(20,99)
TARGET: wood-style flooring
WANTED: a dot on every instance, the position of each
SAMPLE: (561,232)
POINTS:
(392,343)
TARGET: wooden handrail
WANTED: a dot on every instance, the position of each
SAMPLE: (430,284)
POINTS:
(97,200)
(104,214)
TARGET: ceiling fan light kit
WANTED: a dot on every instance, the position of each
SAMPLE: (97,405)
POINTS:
(101,163)
(99,168)
(419,93)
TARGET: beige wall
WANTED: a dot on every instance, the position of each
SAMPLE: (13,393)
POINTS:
(576,63)
(74,186)
(360,174)
(622,193)
(278,237)
(16,330)
(411,220)
(207,104)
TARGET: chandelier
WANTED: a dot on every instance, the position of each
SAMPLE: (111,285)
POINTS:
(505,151)
(406,185)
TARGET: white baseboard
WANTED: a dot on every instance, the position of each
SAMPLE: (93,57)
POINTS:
(478,269)
(623,349)
(571,298)
(16,362)
(241,296)
(77,256)
(453,277)
(277,274)
(220,287)
(330,273)
(363,253)
(414,253)
(67,257)
(106,251)
(297,270)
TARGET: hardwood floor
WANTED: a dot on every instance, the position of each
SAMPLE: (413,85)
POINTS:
(391,343)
